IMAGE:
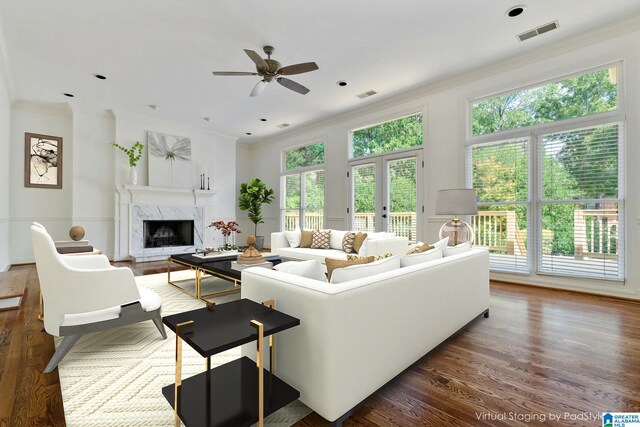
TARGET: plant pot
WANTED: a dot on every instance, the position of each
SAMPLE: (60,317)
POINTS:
(133,176)
(259,242)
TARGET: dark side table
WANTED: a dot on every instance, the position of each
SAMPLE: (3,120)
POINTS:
(238,393)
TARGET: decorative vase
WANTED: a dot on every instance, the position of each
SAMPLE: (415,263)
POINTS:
(133,176)
(259,243)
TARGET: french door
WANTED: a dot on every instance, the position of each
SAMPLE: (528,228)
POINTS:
(386,194)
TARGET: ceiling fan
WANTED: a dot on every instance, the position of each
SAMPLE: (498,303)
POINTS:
(270,69)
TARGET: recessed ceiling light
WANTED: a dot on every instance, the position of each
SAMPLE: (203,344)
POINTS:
(514,11)
(207,119)
(154,107)
(70,95)
(99,76)
(263,120)
(249,133)
(342,83)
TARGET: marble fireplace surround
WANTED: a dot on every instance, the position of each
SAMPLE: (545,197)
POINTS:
(142,203)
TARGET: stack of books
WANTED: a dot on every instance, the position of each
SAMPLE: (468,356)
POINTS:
(73,246)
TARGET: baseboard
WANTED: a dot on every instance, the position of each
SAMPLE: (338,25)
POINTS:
(5,266)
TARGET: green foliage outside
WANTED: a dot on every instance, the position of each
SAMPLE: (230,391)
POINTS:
(309,155)
(397,134)
(575,97)
(134,153)
(252,196)
(579,164)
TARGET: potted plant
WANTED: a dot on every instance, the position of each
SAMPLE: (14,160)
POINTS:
(134,153)
(252,196)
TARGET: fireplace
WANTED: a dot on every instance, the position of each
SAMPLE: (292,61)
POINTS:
(163,233)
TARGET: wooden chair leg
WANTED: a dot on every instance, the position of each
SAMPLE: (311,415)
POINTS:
(157,320)
(67,343)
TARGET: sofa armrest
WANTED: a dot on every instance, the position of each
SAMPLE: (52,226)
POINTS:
(278,240)
(393,245)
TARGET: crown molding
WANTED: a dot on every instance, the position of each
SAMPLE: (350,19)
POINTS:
(4,66)
(416,93)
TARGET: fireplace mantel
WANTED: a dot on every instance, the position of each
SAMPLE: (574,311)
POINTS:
(145,195)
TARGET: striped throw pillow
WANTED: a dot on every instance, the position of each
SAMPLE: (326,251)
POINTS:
(347,242)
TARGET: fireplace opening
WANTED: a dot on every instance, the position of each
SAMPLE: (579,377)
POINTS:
(158,234)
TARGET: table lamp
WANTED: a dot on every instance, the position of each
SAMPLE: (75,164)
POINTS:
(459,201)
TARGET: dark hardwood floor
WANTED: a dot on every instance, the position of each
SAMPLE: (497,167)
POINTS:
(543,353)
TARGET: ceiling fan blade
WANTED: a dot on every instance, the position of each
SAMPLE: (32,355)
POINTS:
(233,73)
(305,67)
(258,88)
(290,84)
(256,58)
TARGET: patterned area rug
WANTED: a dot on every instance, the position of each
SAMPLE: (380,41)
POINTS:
(115,378)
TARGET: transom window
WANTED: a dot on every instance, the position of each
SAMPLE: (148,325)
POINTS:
(398,134)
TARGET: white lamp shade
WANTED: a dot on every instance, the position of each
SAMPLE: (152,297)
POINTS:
(459,201)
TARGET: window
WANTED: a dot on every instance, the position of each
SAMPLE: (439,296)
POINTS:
(583,95)
(302,188)
(500,175)
(405,132)
(308,155)
(574,169)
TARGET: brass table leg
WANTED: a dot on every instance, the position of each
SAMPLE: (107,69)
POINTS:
(179,327)
(272,367)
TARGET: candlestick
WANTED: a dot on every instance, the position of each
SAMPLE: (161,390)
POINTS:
(208,184)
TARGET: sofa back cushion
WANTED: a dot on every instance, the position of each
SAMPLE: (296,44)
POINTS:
(306,238)
(313,269)
(333,264)
(458,249)
(360,271)
(420,257)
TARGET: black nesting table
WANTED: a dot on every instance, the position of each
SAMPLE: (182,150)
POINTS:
(218,267)
(238,393)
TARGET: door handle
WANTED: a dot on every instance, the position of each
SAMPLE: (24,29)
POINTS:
(384,215)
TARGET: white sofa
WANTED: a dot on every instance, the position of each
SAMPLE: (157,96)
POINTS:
(357,335)
(374,246)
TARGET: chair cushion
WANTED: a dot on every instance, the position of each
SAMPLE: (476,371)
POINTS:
(148,299)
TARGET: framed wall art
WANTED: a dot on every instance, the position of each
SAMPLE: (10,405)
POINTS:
(169,161)
(42,161)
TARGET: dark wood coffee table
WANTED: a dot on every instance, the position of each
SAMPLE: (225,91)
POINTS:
(217,267)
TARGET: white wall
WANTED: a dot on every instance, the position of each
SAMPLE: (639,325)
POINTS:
(5,147)
(444,106)
(51,207)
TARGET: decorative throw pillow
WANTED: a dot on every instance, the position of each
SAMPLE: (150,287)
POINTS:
(293,237)
(441,244)
(335,239)
(321,239)
(420,257)
(332,263)
(420,248)
(306,236)
(358,241)
(361,271)
(347,242)
(313,269)
(375,257)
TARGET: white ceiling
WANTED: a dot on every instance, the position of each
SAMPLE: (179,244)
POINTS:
(162,52)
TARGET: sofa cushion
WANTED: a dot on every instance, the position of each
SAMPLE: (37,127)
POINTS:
(308,253)
(441,244)
(306,236)
(335,239)
(313,269)
(293,237)
(333,264)
(347,241)
(420,257)
(424,247)
(321,239)
(361,271)
(358,241)
(458,249)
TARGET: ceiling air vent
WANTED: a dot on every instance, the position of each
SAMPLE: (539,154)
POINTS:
(537,31)
(366,94)
(283,125)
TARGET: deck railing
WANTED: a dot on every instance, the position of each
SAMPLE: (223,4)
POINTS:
(595,233)
(498,231)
